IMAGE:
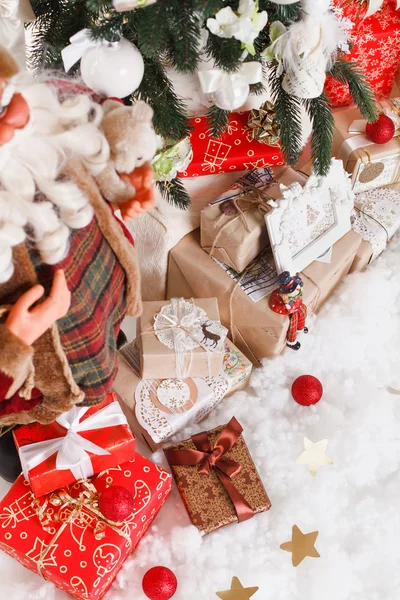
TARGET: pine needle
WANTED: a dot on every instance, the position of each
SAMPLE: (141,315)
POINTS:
(349,73)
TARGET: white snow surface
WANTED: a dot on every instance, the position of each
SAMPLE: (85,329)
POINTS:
(353,347)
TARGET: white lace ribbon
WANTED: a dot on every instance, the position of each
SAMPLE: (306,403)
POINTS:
(72,449)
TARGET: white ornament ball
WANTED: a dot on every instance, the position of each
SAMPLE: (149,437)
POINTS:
(113,69)
(285,1)
(232,95)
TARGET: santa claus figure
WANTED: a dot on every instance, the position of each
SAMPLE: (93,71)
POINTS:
(288,300)
(68,270)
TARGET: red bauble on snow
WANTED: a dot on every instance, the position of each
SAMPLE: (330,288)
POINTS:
(159,583)
(381,131)
(307,390)
(116,503)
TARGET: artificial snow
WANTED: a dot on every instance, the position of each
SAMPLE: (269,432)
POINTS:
(353,347)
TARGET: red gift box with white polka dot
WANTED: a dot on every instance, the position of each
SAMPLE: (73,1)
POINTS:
(235,150)
(376,49)
(64,537)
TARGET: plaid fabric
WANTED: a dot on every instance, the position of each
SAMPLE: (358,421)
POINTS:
(89,331)
(297,322)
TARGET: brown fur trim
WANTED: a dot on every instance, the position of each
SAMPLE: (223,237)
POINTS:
(16,358)
(112,231)
(8,66)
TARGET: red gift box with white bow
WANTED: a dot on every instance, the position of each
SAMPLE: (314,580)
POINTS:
(64,537)
(375,47)
(235,150)
(79,444)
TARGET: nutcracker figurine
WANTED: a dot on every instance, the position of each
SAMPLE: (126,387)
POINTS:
(68,268)
(288,300)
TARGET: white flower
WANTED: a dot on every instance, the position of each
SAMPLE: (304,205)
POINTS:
(225,23)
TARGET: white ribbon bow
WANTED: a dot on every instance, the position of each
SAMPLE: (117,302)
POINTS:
(72,449)
(375,5)
(80,42)
(216,79)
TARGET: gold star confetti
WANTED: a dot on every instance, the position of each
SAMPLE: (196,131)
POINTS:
(237,591)
(314,455)
(302,545)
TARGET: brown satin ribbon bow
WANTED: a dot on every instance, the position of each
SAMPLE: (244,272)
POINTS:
(209,458)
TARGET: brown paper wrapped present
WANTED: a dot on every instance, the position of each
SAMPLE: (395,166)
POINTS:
(370,165)
(362,258)
(157,411)
(254,328)
(181,338)
(218,487)
(233,228)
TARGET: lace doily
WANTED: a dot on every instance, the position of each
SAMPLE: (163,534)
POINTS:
(165,407)
(377,217)
(183,326)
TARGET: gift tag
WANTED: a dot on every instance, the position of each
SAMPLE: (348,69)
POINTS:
(173,394)
(371,171)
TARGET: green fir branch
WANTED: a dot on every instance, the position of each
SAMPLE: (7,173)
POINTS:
(152,28)
(218,120)
(282,12)
(226,52)
(288,116)
(184,27)
(349,73)
(175,193)
(170,119)
(323,129)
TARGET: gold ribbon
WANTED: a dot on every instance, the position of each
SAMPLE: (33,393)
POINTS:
(87,500)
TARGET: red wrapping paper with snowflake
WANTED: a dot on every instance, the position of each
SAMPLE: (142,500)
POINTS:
(88,440)
(63,536)
(376,48)
(235,150)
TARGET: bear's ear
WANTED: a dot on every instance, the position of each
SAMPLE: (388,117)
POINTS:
(111,105)
(141,111)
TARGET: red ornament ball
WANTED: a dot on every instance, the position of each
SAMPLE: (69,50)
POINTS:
(116,503)
(307,390)
(381,131)
(159,583)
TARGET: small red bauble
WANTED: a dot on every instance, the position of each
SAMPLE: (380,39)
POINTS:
(116,503)
(159,583)
(307,390)
(381,131)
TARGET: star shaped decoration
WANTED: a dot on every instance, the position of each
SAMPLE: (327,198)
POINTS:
(302,545)
(314,455)
(237,591)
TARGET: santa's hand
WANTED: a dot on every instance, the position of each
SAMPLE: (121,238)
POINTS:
(28,323)
(144,199)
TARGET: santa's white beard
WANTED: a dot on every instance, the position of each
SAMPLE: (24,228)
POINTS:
(33,161)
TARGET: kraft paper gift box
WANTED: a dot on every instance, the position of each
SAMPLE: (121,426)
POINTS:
(158,409)
(64,537)
(254,328)
(217,493)
(370,165)
(238,237)
(171,346)
(79,444)
(362,258)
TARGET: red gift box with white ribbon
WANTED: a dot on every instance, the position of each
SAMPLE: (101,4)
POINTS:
(235,150)
(64,537)
(79,444)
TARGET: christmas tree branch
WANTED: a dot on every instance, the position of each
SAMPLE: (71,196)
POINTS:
(218,120)
(288,117)
(349,73)
(174,193)
(323,129)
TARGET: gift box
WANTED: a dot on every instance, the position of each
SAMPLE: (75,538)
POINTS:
(158,409)
(255,329)
(375,47)
(233,227)
(64,537)
(376,217)
(362,258)
(370,165)
(79,444)
(181,338)
(235,150)
(217,488)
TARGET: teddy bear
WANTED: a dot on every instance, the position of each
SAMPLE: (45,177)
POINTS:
(133,144)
